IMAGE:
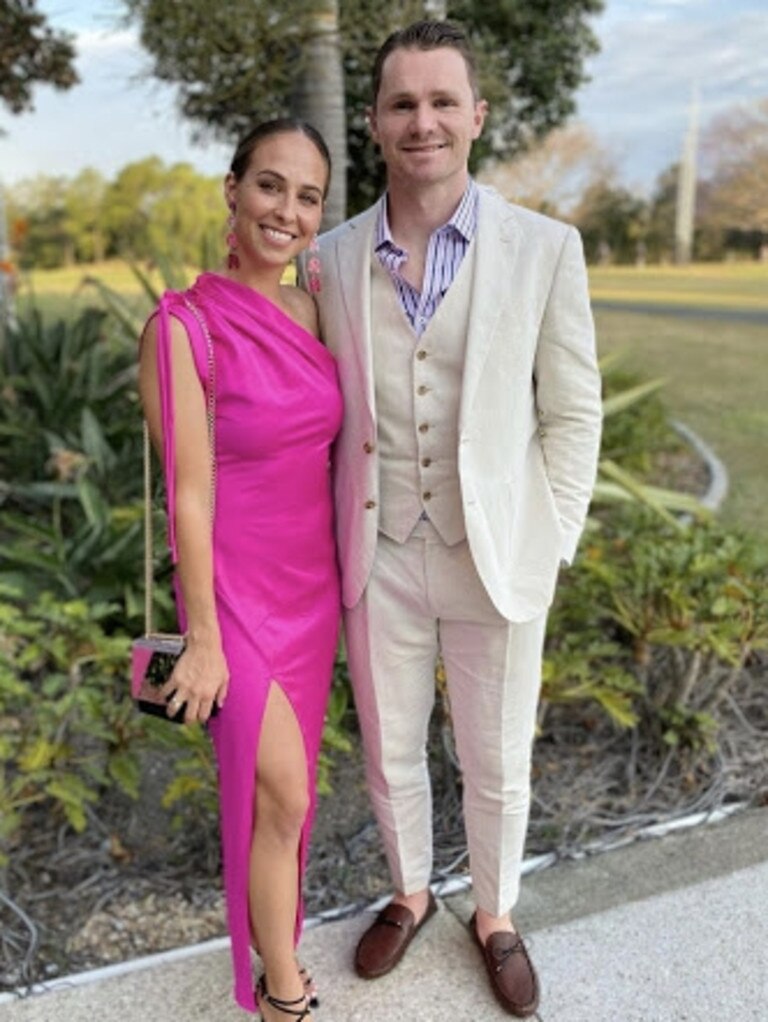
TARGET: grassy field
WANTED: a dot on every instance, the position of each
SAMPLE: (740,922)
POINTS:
(708,285)
(63,292)
(717,376)
(717,370)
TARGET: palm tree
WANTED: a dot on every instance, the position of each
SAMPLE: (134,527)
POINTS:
(319,98)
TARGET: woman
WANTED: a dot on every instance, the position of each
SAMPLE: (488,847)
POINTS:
(258,594)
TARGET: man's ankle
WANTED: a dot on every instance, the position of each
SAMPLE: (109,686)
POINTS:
(416,902)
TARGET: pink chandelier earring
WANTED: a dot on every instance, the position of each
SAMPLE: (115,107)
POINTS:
(233,260)
(313,267)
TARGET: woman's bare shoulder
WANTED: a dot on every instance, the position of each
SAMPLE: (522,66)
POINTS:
(301,307)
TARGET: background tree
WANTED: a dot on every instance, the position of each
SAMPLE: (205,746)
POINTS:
(31,52)
(660,236)
(735,171)
(243,68)
(39,204)
(613,223)
(149,209)
(84,214)
(553,174)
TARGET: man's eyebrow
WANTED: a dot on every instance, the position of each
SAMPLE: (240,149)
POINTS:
(405,94)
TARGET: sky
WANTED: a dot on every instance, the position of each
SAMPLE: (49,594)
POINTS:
(637,103)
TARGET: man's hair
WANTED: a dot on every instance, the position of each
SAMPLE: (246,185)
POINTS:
(426,35)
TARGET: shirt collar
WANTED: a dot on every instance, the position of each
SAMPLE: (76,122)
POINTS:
(464,219)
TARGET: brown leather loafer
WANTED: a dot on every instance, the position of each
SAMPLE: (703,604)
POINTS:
(510,970)
(386,940)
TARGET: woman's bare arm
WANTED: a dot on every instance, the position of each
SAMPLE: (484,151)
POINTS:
(201,676)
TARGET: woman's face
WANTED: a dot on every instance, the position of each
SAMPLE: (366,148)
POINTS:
(278,203)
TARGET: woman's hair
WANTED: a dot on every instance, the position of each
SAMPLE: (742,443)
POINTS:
(426,35)
(280,126)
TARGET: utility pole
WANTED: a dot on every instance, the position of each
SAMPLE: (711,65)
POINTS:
(685,210)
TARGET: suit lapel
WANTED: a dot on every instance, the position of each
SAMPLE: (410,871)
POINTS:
(498,240)
(353,261)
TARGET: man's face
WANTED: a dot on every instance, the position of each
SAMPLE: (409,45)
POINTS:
(426,117)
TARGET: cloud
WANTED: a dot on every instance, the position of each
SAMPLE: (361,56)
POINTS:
(95,42)
(653,53)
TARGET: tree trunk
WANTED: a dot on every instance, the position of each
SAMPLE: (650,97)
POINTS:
(435,9)
(319,98)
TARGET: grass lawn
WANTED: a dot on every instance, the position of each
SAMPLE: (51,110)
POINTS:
(717,376)
(63,293)
(716,285)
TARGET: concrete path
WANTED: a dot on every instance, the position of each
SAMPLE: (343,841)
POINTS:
(673,929)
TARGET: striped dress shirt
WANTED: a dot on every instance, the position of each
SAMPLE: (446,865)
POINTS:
(447,247)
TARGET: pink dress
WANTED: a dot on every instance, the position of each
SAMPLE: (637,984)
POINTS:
(278,409)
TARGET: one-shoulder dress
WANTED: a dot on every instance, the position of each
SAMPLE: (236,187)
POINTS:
(277,411)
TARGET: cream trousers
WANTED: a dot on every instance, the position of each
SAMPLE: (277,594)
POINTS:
(423,599)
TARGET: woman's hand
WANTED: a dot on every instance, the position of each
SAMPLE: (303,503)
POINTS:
(200,678)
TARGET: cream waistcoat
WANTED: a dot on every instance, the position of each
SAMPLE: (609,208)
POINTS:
(418,392)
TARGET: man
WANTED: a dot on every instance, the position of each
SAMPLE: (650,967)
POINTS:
(465,346)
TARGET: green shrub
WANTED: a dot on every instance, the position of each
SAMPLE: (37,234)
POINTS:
(641,431)
(70,461)
(657,622)
(67,727)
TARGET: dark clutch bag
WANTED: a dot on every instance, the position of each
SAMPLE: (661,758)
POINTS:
(153,658)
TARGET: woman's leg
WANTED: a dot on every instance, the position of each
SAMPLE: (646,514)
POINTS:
(281,805)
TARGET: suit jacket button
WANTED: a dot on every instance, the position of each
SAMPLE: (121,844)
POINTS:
(370,504)
(368,447)
(421,354)
(423,427)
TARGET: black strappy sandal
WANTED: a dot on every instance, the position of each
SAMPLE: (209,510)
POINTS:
(286,1007)
(309,986)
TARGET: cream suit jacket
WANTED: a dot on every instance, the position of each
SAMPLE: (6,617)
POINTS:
(530,408)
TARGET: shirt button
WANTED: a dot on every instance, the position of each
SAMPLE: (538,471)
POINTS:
(426,462)
(370,504)
(422,389)
(368,447)
(423,427)
(421,354)
(427,495)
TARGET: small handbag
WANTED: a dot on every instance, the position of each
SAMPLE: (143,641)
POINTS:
(155,654)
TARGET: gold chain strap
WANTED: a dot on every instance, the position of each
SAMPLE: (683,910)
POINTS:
(149,577)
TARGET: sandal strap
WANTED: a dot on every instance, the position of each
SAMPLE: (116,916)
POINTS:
(310,986)
(286,1007)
